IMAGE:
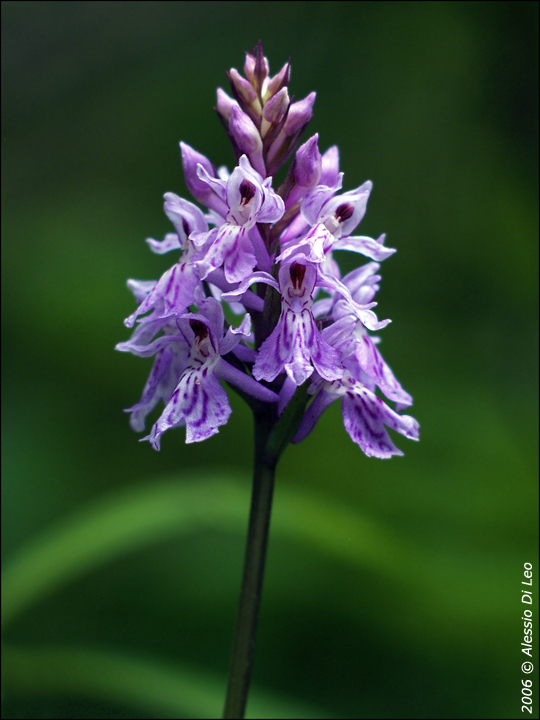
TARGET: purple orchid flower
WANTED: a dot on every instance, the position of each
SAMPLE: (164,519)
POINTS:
(249,236)
(349,335)
(296,342)
(365,415)
(270,253)
(175,290)
(332,220)
(249,200)
(187,370)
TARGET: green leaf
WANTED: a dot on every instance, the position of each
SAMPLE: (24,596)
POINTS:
(116,525)
(164,690)
(159,510)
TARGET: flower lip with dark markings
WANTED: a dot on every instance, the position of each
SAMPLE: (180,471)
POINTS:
(344,212)
(297,272)
(247,191)
(199,328)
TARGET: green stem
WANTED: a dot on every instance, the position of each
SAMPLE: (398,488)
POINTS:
(252,580)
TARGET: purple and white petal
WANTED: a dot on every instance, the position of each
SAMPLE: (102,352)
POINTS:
(239,259)
(314,245)
(199,402)
(186,217)
(367,246)
(315,200)
(217,185)
(170,242)
(330,174)
(344,212)
(243,287)
(362,312)
(174,292)
(234,335)
(365,416)
(373,364)
(162,381)
(224,240)
(141,288)
(273,206)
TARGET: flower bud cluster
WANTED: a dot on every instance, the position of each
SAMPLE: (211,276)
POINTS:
(256,297)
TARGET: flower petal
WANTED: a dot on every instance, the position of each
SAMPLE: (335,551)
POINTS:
(367,246)
(170,242)
(199,402)
(375,367)
(365,416)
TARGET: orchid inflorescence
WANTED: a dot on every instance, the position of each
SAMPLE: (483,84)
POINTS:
(256,298)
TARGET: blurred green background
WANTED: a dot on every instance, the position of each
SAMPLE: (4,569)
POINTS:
(393,587)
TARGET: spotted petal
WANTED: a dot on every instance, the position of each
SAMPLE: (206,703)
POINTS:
(199,402)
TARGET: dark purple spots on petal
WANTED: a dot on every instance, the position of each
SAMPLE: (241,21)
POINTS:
(199,328)
(344,212)
(204,414)
(194,398)
(297,273)
(247,191)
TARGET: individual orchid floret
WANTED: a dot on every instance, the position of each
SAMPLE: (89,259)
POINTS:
(348,334)
(364,415)
(333,219)
(296,346)
(175,290)
(340,215)
(171,352)
(199,189)
(187,370)
(331,181)
(249,200)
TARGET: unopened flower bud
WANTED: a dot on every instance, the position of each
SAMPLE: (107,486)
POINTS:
(190,159)
(197,187)
(242,86)
(308,165)
(277,106)
(278,82)
(225,104)
(262,68)
(330,166)
(249,68)
(247,138)
(300,114)
(244,132)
